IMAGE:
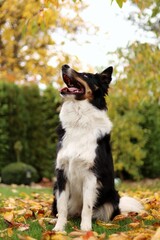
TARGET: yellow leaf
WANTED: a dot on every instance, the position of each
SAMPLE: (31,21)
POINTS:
(142,236)
(156,235)
(51,235)
(21,219)
(107,225)
(9,232)
(8,216)
(149,217)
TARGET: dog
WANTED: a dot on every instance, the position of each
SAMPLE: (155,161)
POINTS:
(84,165)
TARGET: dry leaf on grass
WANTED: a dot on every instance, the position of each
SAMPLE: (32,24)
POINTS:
(156,236)
(25,237)
(107,225)
(8,216)
(51,235)
(6,233)
(120,236)
(134,225)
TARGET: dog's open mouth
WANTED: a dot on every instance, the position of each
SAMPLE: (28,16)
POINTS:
(73,86)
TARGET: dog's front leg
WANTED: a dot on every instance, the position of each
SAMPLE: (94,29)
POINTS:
(89,197)
(62,196)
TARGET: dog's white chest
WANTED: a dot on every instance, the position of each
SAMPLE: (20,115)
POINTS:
(84,125)
(78,148)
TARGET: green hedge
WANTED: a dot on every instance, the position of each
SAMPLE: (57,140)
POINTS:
(29,116)
(19,173)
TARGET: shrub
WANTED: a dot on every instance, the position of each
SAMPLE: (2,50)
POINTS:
(151,113)
(19,173)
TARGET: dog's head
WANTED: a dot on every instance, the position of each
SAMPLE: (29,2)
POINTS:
(89,86)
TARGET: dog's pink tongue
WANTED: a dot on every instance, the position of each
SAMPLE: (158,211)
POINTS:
(72,89)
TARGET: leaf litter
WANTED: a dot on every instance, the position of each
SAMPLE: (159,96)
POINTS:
(18,213)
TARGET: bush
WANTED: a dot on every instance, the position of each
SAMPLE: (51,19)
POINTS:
(151,113)
(19,173)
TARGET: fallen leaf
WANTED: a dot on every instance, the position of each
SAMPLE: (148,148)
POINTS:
(8,216)
(2,233)
(25,237)
(6,209)
(20,212)
(89,236)
(14,191)
(28,214)
(107,225)
(142,236)
(120,217)
(134,224)
(76,233)
(42,223)
(120,236)
(156,236)
(102,236)
(23,227)
(9,232)
(21,219)
(54,236)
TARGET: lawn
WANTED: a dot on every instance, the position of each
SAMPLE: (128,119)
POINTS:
(25,214)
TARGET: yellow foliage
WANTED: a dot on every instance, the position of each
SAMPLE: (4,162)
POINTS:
(27,40)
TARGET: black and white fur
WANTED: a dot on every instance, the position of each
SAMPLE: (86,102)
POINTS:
(84,165)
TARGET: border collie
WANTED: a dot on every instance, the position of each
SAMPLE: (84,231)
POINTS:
(84,165)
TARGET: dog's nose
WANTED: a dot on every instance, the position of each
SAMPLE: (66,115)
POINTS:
(65,67)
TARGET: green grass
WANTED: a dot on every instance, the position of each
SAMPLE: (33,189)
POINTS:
(143,185)
(17,191)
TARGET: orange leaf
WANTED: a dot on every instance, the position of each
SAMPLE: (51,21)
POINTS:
(89,235)
(120,217)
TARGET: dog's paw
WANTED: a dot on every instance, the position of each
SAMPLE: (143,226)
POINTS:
(58,229)
(86,226)
(60,226)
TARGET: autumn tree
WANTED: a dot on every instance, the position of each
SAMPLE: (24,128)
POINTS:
(28,37)
(135,105)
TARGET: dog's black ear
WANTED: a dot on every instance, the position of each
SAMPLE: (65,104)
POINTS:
(106,75)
